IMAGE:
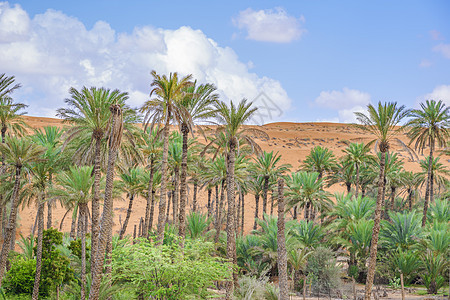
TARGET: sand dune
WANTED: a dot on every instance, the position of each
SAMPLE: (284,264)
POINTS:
(292,140)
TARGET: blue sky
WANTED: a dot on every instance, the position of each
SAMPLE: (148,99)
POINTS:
(317,61)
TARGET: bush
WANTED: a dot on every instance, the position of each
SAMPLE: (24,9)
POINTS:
(20,278)
(323,271)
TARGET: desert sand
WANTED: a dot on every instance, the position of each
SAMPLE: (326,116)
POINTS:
(292,140)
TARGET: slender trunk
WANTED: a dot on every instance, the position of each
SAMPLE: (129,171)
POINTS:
(95,209)
(403,286)
(271,203)
(194,198)
(295,217)
(183,185)
(127,218)
(74,222)
(83,217)
(238,213)
(150,204)
(79,223)
(1,217)
(256,211)
(376,230)
(11,224)
(210,207)
(410,199)
(37,276)
(169,199)
(265,191)
(49,214)
(357,181)
(219,207)
(363,192)
(282,255)
(163,191)
(36,220)
(231,238)
(105,232)
(152,212)
(176,196)
(307,208)
(349,187)
(429,191)
(304,286)
(242,212)
(393,188)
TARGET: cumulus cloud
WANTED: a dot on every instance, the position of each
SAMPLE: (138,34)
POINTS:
(346,102)
(52,52)
(441,92)
(270,25)
(444,49)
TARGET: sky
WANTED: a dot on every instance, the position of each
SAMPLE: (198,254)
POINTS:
(299,61)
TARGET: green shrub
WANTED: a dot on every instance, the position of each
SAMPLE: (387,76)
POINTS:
(20,278)
(323,271)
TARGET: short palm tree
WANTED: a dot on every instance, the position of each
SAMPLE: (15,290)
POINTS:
(429,126)
(19,153)
(162,109)
(320,160)
(383,122)
(267,165)
(75,186)
(357,154)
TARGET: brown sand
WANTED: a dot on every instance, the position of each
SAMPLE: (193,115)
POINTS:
(292,140)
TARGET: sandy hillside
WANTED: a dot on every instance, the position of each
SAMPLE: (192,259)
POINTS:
(292,140)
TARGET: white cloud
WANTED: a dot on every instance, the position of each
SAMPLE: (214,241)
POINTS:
(346,102)
(425,63)
(56,52)
(444,49)
(441,92)
(270,25)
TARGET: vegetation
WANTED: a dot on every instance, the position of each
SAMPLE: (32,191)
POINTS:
(388,224)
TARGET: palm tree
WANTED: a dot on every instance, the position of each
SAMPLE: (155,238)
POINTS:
(267,167)
(89,114)
(256,186)
(19,153)
(198,103)
(75,186)
(357,154)
(320,160)
(429,126)
(162,109)
(439,172)
(105,235)
(282,255)
(232,119)
(383,123)
(306,191)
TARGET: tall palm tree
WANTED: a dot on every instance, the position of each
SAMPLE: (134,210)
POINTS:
(232,119)
(320,160)
(429,126)
(256,186)
(88,113)
(382,122)
(267,167)
(282,255)
(162,109)
(75,186)
(357,154)
(198,102)
(439,172)
(18,153)
(105,235)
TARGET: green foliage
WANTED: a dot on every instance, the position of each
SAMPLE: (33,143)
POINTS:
(406,262)
(20,278)
(434,266)
(403,231)
(167,272)
(27,244)
(323,271)
(75,248)
(309,234)
(197,225)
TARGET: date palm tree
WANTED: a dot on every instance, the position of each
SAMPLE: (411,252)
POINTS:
(231,119)
(267,166)
(357,154)
(429,127)
(88,113)
(75,186)
(19,153)
(162,109)
(383,122)
(320,160)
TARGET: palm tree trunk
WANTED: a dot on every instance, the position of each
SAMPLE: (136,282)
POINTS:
(210,207)
(152,212)
(357,181)
(163,190)
(127,218)
(265,191)
(105,232)
(295,217)
(183,184)
(242,212)
(83,217)
(37,276)
(376,230)
(149,199)
(95,210)
(410,198)
(349,187)
(271,204)
(74,222)
(49,214)
(282,255)
(194,198)
(11,224)
(256,211)
(169,199)
(176,195)
(219,207)
(231,238)
(392,197)
(429,197)
(238,213)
